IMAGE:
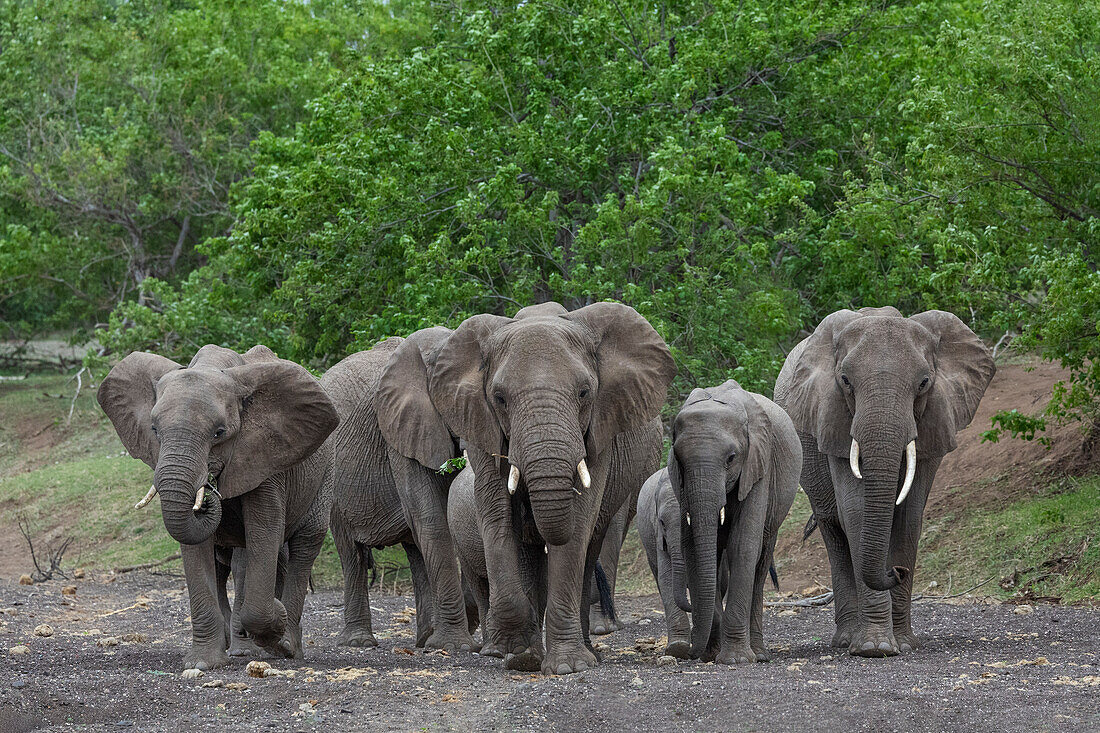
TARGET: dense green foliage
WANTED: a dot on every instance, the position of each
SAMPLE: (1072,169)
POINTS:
(125,124)
(734,170)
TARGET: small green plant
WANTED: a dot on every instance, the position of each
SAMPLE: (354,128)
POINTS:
(452,465)
(1018,425)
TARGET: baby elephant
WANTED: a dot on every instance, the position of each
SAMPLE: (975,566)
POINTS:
(658,522)
(733,468)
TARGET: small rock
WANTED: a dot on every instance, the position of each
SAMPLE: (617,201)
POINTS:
(257,669)
(134,638)
(192,674)
(637,682)
(1024,610)
(78,573)
(236,686)
(124,724)
(69,590)
(787,612)
(43,630)
(19,684)
(214,683)
(107,641)
(25,579)
(666,660)
(644,622)
(19,650)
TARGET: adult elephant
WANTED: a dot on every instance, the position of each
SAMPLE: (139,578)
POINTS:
(547,402)
(237,447)
(876,399)
(388,489)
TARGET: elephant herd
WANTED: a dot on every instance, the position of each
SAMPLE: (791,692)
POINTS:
(558,415)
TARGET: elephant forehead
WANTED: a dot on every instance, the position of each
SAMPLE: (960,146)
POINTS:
(708,415)
(211,384)
(898,336)
(545,337)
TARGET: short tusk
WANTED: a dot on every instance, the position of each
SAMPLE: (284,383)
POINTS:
(687,516)
(582,471)
(199,496)
(853,459)
(910,471)
(513,479)
(148,497)
(722,515)
(545,550)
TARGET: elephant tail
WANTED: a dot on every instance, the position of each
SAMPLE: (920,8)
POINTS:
(368,561)
(607,601)
(775,575)
(811,525)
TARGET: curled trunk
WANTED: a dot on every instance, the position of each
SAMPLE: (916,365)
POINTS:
(178,475)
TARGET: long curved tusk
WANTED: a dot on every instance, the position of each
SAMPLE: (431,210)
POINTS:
(513,479)
(148,497)
(582,471)
(199,496)
(687,516)
(853,459)
(722,516)
(910,471)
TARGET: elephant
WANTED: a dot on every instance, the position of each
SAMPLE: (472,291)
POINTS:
(733,467)
(384,494)
(237,443)
(658,522)
(876,399)
(549,403)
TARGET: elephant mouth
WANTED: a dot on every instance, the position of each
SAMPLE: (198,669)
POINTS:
(202,502)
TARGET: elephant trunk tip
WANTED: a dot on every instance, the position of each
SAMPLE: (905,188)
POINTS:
(895,576)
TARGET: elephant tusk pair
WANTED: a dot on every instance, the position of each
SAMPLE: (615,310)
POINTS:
(582,472)
(910,467)
(148,497)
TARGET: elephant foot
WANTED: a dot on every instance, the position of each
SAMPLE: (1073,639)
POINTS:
(873,643)
(288,647)
(735,654)
(761,653)
(842,638)
(679,648)
(525,660)
(242,646)
(452,641)
(568,661)
(491,650)
(907,641)
(356,636)
(600,625)
(205,658)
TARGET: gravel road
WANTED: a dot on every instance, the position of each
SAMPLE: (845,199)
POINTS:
(112,664)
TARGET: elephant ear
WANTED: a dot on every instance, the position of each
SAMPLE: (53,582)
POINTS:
(457,383)
(964,368)
(127,395)
(408,419)
(675,473)
(760,462)
(285,417)
(635,369)
(814,403)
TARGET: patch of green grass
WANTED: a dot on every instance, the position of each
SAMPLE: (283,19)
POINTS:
(1045,546)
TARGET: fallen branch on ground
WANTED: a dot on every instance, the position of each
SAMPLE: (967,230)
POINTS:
(933,599)
(146,565)
(813,601)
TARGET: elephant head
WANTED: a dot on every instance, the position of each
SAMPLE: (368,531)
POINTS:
(722,450)
(550,390)
(240,420)
(874,387)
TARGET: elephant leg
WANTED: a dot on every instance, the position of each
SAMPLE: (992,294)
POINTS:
(239,643)
(756,620)
(845,597)
(676,619)
(303,547)
(566,651)
(904,536)
(422,593)
(874,633)
(599,621)
(357,629)
(208,640)
(263,616)
(424,499)
(743,557)
(222,569)
(469,597)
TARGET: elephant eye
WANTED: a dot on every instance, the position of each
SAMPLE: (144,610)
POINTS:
(923,385)
(730,458)
(844,378)
(584,392)
(499,399)
(219,433)
(154,427)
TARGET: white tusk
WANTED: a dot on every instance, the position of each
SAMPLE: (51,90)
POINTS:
(148,497)
(687,516)
(545,550)
(513,479)
(910,471)
(853,459)
(582,471)
(722,515)
(199,496)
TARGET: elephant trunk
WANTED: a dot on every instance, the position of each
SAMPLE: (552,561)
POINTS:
(181,470)
(881,452)
(703,492)
(547,455)
(671,562)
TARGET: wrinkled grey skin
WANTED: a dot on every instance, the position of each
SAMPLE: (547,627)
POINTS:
(259,425)
(383,497)
(466,530)
(547,389)
(658,522)
(883,380)
(735,451)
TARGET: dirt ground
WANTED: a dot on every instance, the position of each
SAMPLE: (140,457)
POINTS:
(113,662)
